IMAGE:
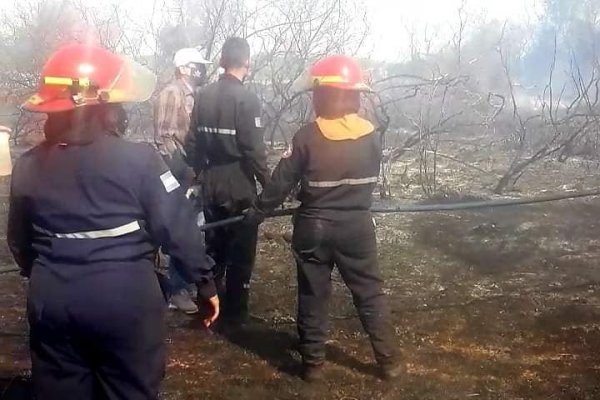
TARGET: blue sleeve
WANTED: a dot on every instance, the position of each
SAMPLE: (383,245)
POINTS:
(19,231)
(171,222)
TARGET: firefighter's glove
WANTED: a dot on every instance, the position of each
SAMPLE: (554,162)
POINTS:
(254,216)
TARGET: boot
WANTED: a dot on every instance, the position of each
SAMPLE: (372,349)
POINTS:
(312,372)
(391,371)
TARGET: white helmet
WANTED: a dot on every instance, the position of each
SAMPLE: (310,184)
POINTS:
(189,55)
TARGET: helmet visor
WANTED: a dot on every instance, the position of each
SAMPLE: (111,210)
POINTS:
(135,83)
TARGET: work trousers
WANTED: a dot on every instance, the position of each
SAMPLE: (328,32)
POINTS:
(176,281)
(345,240)
(100,336)
(233,248)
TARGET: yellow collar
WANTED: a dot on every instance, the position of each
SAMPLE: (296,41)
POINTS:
(349,127)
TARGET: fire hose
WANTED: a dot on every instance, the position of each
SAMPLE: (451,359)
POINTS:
(418,208)
(413,208)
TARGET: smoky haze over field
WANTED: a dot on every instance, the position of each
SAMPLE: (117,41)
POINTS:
(478,99)
(522,73)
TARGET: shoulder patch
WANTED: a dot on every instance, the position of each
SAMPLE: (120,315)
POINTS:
(169,181)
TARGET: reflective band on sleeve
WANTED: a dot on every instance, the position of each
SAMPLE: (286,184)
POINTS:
(348,181)
(104,233)
(200,220)
(219,131)
(169,181)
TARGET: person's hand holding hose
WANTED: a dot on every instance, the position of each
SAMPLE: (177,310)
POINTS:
(253,216)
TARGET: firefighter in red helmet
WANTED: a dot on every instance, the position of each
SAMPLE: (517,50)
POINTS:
(336,160)
(88,211)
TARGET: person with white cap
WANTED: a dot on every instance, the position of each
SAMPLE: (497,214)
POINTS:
(172,112)
(174,104)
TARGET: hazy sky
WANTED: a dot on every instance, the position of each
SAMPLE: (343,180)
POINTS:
(392,18)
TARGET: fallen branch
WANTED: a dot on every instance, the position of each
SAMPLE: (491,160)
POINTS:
(466,164)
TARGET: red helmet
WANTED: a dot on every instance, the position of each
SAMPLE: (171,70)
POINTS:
(78,75)
(341,72)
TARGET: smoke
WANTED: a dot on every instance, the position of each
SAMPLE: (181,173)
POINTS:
(567,41)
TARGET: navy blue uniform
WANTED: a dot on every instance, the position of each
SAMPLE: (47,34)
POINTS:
(85,223)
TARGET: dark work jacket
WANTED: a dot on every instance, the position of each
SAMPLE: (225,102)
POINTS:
(104,205)
(334,175)
(226,143)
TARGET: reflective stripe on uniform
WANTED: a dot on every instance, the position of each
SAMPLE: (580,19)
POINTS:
(219,131)
(104,233)
(348,181)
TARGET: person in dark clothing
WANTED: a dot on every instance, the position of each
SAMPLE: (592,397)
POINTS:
(88,211)
(336,159)
(226,146)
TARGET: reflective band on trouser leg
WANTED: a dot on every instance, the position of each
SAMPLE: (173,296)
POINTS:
(100,234)
(348,181)
(219,131)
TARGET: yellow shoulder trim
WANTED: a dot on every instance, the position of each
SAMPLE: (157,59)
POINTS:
(349,127)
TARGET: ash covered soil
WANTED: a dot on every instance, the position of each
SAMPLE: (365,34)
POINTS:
(487,304)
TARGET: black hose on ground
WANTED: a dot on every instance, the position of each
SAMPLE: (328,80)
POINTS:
(416,208)
(472,205)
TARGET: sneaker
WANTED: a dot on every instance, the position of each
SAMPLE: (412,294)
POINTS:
(183,302)
(391,371)
(312,372)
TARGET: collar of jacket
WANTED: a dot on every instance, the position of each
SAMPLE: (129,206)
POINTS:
(185,87)
(229,77)
(349,127)
(78,136)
